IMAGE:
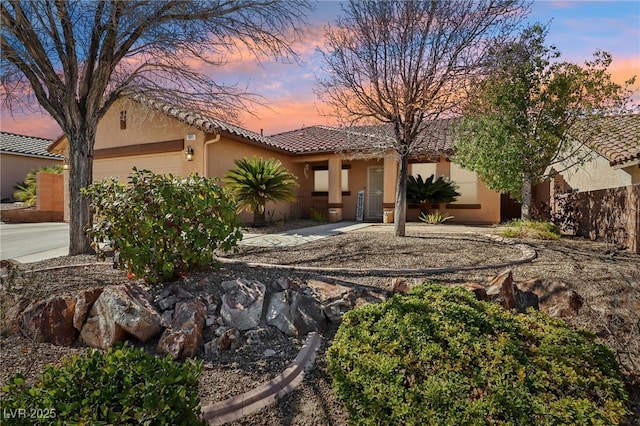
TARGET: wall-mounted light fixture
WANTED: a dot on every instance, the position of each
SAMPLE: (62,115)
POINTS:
(189,153)
(65,164)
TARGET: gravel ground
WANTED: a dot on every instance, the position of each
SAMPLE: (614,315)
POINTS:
(609,283)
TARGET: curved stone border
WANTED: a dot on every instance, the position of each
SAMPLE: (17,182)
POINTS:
(266,394)
(528,254)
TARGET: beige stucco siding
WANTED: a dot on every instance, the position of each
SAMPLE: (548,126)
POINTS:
(596,174)
(121,167)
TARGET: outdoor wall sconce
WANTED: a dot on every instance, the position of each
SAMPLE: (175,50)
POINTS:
(189,153)
(65,164)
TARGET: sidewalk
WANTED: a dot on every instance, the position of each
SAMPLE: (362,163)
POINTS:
(296,237)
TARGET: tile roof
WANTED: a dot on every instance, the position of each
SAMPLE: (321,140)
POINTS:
(200,121)
(619,139)
(25,145)
(321,139)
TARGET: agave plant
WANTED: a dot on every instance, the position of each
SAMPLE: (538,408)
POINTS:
(429,192)
(26,191)
(256,181)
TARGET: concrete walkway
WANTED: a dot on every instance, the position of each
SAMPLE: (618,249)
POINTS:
(300,236)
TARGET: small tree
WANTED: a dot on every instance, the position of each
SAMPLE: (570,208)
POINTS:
(257,181)
(533,113)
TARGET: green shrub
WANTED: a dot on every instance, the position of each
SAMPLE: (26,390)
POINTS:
(440,357)
(122,386)
(429,191)
(162,226)
(530,229)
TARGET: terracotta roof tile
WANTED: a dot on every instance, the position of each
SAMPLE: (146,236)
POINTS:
(200,121)
(321,139)
(26,145)
(619,139)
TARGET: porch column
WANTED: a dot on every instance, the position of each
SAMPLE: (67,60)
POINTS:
(335,189)
(389,200)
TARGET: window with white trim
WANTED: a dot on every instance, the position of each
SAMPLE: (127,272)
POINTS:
(321,180)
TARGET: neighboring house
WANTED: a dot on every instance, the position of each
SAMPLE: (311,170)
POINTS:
(163,138)
(615,158)
(19,154)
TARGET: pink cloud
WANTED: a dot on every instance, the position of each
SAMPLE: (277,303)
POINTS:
(38,125)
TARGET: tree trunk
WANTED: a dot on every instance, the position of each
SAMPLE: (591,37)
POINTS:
(259,220)
(400,214)
(80,176)
(525,211)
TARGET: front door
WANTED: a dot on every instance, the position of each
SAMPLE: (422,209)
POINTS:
(375,192)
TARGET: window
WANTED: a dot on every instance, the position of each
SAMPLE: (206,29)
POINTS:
(321,180)
(467,182)
(123,120)
(423,169)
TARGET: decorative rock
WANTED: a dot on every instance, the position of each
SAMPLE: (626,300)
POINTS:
(51,320)
(363,297)
(11,306)
(399,285)
(167,318)
(525,300)
(210,349)
(268,353)
(210,301)
(555,298)
(184,337)
(295,313)
(242,303)
(478,290)
(84,301)
(210,320)
(502,290)
(280,284)
(172,295)
(229,341)
(326,292)
(121,310)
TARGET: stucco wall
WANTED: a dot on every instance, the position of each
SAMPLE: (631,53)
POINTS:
(596,174)
(15,168)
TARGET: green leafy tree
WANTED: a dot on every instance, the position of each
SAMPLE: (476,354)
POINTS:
(534,112)
(257,181)
(26,191)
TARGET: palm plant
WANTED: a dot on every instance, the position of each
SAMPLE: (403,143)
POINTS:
(256,181)
(26,191)
(427,192)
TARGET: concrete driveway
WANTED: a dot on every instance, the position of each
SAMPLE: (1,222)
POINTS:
(30,242)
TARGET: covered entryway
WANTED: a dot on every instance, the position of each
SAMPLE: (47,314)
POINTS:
(375,192)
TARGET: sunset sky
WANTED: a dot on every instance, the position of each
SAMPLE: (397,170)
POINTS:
(577,29)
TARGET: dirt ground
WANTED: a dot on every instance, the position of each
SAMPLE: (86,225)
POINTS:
(608,281)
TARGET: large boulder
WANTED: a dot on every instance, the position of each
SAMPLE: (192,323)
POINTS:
(242,303)
(337,299)
(184,336)
(555,298)
(120,311)
(295,313)
(84,301)
(503,290)
(51,320)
